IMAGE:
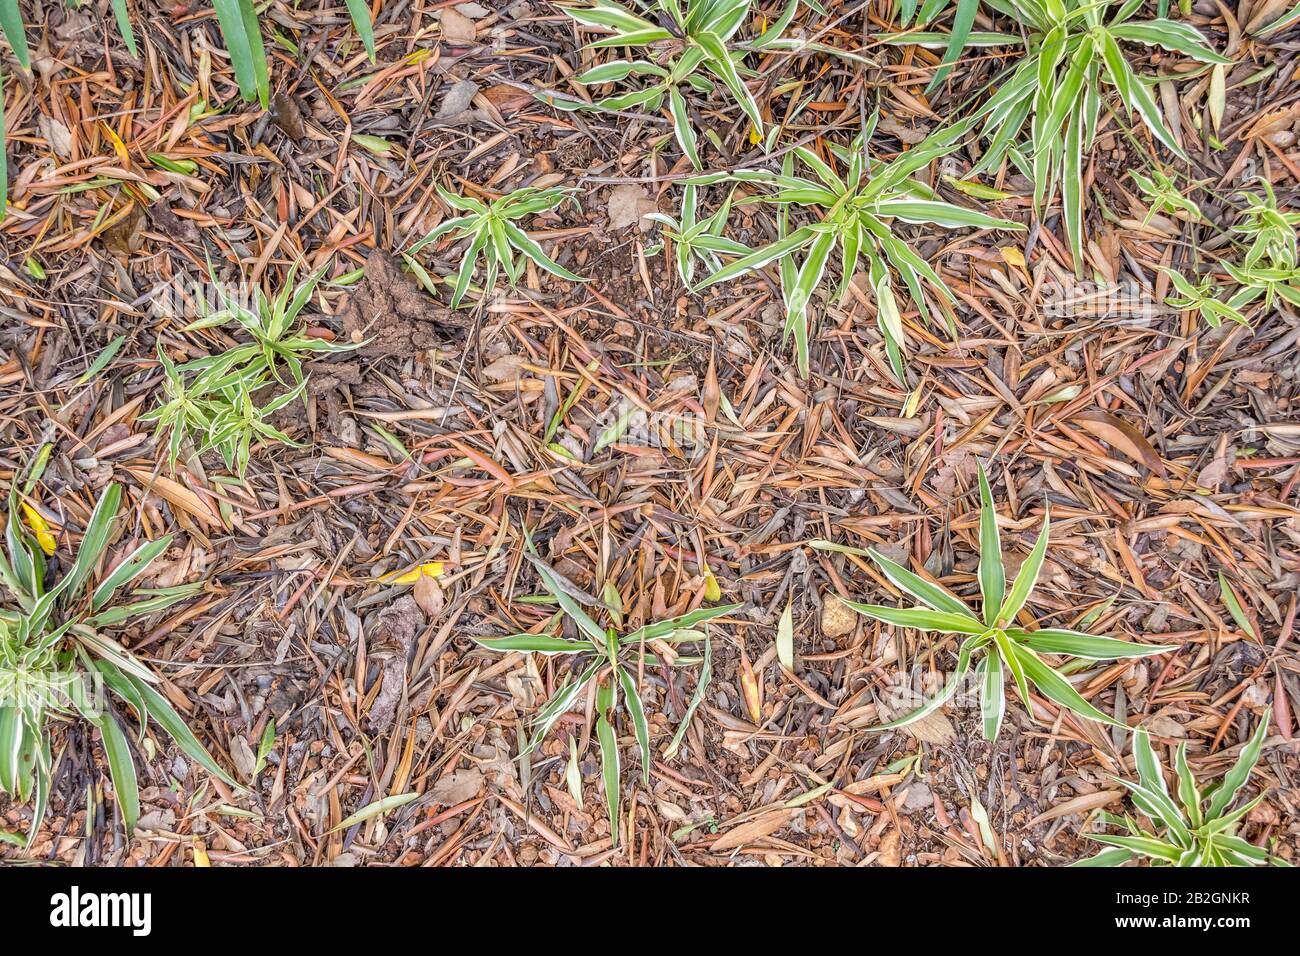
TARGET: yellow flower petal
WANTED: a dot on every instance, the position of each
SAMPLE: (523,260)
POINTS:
(431,570)
(40,528)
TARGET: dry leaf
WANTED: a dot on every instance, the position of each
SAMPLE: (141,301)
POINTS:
(1081,804)
(627,204)
(428,594)
(507,99)
(456,27)
(1122,436)
(751,830)
(456,787)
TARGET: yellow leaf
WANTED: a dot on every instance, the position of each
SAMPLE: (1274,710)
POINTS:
(431,570)
(1012,256)
(201,855)
(785,637)
(712,590)
(39,528)
(754,137)
(750,691)
(1218,94)
(119,147)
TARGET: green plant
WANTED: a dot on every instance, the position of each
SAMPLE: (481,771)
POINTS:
(1271,230)
(11,24)
(54,651)
(1204,297)
(1164,195)
(1056,90)
(242,32)
(853,210)
(687,43)
(209,401)
(694,238)
(613,665)
(1006,649)
(359,11)
(239,28)
(1198,828)
(243,35)
(1271,267)
(963,19)
(492,233)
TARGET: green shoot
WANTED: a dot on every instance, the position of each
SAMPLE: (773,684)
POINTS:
(852,210)
(1006,649)
(693,238)
(612,661)
(1056,92)
(492,233)
(54,651)
(684,44)
(210,401)
(1197,829)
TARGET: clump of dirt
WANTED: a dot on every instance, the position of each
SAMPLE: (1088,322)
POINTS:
(394,316)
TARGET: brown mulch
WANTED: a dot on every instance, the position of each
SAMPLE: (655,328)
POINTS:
(1168,451)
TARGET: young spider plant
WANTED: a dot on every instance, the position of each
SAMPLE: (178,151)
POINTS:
(1204,298)
(1056,91)
(210,401)
(492,233)
(683,44)
(612,661)
(1003,647)
(1197,829)
(1271,265)
(210,404)
(694,238)
(56,652)
(272,325)
(1165,196)
(1270,229)
(852,210)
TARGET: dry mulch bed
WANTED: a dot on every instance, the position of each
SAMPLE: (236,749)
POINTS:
(1168,452)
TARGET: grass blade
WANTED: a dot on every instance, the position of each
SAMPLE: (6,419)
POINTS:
(922,618)
(361,21)
(991,573)
(243,36)
(609,762)
(1028,575)
(639,725)
(123,17)
(121,767)
(930,593)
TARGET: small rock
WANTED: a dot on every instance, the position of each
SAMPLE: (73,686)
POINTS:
(838,618)
(918,797)
(456,787)
(456,27)
(627,204)
(457,100)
